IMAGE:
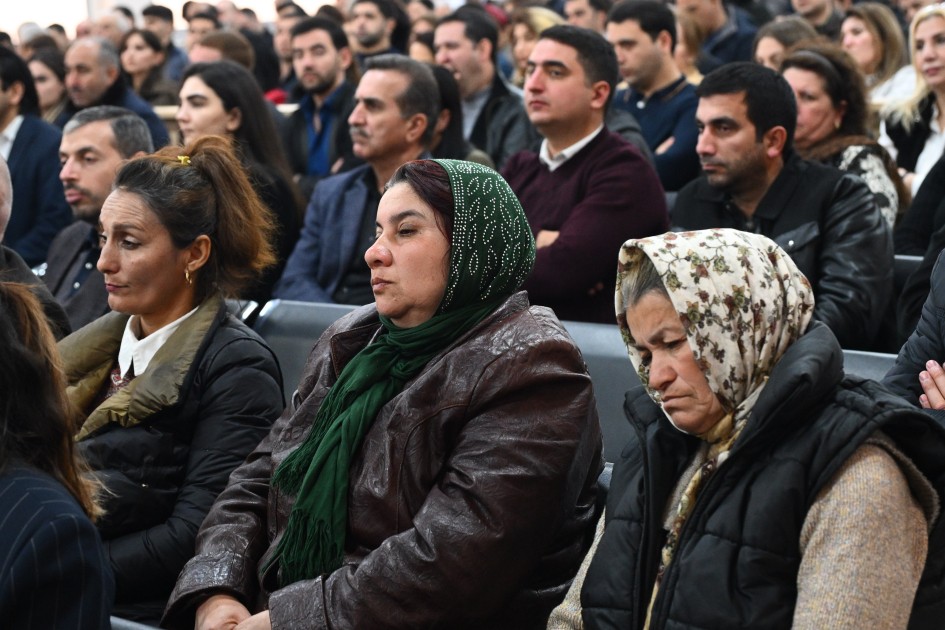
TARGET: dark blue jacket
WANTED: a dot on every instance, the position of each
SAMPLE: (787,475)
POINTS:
(121,95)
(668,113)
(329,237)
(53,569)
(39,209)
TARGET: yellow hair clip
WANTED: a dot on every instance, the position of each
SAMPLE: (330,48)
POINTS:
(184,159)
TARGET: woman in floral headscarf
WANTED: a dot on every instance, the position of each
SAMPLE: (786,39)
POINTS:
(438,465)
(762,489)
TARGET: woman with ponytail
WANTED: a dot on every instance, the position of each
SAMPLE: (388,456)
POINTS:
(173,391)
(438,468)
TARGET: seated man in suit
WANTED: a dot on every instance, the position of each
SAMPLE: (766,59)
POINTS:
(395,104)
(30,146)
(13,269)
(95,142)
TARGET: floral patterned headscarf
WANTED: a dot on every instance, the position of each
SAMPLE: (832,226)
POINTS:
(741,298)
(742,302)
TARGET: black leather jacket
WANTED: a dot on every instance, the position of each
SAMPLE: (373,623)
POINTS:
(829,224)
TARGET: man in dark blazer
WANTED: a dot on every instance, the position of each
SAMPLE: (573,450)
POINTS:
(13,269)
(31,148)
(395,103)
(95,143)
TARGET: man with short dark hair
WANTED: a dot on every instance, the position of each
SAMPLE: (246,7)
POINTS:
(587,190)
(372,24)
(822,15)
(643,34)
(396,106)
(493,117)
(198,25)
(93,77)
(160,21)
(729,31)
(287,18)
(316,136)
(827,221)
(95,143)
(590,14)
(30,146)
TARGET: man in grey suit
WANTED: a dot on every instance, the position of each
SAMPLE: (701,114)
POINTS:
(395,104)
(95,143)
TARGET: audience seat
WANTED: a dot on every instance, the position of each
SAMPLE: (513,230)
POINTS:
(872,365)
(612,375)
(245,310)
(291,330)
(124,624)
(903,267)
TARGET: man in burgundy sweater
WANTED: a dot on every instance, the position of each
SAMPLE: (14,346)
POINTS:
(587,190)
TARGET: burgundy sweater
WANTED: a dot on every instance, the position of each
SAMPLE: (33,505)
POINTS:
(605,194)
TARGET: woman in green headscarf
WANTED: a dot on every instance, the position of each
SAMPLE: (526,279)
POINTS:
(438,465)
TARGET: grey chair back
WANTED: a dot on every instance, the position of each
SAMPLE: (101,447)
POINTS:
(291,330)
(612,375)
(873,365)
(124,624)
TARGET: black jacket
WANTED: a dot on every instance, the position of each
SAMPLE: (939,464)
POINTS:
(165,444)
(13,269)
(295,138)
(909,144)
(737,559)
(829,224)
(502,128)
(927,341)
(90,301)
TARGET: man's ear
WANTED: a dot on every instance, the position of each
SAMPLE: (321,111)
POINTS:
(16,92)
(391,25)
(346,58)
(112,73)
(774,140)
(601,92)
(664,42)
(484,50)
(416,126)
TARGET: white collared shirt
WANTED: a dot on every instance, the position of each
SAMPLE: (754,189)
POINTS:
(8,136)
(141,351)
(553,163)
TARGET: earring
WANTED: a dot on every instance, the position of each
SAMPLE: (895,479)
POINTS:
(187,277)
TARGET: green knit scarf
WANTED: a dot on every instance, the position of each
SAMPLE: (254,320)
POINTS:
(492,252)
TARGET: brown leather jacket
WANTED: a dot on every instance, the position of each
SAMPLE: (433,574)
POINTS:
(470,502)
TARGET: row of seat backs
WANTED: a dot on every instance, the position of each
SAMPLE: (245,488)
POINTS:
(292,328)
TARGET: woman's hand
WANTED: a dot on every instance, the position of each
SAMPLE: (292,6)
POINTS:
(932,380)
(223,612)
(259,621)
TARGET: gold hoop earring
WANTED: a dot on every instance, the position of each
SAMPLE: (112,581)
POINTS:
(187,277)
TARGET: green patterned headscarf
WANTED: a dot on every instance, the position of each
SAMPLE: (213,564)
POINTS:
(491,254)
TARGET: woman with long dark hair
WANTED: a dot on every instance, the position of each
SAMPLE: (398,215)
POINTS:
(222,98)
(55,571)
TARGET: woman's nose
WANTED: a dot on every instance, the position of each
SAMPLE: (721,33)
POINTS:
(377,254)
(661,374)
